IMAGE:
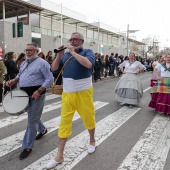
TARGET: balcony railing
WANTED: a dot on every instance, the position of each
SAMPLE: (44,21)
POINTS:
(45,31)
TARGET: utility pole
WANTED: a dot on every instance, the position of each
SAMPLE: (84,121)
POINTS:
(61,26)
(127,40)
(98,48)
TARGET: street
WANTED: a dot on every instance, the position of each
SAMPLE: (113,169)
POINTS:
(135,138)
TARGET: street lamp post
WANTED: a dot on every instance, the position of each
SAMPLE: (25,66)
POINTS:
(61,26)
(98,30)
(129,31)
(4,38)
(127,40)
(154,42)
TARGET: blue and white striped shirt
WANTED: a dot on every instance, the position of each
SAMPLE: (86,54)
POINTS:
(36,74)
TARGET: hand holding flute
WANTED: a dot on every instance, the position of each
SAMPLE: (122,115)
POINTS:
(59,53)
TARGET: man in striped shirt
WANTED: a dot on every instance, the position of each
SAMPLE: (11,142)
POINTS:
(34,78)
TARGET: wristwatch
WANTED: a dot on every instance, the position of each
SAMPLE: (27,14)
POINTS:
(39,91)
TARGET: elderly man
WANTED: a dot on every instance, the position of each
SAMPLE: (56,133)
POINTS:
(34,78)
(77,92)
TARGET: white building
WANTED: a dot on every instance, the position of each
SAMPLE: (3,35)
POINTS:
(51,25)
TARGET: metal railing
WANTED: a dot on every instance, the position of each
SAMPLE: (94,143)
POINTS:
(50,32)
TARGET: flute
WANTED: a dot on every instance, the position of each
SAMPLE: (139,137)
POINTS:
(58,50)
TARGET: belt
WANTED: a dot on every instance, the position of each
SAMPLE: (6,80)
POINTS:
(31,89)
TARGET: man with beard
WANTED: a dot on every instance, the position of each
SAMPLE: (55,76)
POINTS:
(77,92)
(34,78)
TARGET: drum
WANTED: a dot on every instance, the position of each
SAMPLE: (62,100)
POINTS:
(15,102)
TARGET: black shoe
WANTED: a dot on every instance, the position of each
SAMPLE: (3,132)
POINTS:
(24,153)
(40,135)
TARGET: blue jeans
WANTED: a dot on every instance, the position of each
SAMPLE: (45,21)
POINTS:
(112,69)
(34,122)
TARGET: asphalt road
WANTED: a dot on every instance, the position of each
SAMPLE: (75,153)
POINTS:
(127,138)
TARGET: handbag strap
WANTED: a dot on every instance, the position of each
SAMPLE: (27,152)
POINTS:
(62,69)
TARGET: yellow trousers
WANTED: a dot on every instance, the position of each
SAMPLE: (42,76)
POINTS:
(82,102)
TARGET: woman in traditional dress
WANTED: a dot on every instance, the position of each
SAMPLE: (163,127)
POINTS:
(160,92)
(129,88)
(154,79)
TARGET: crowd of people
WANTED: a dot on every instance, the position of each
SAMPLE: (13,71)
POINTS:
(108,66)
(34,73)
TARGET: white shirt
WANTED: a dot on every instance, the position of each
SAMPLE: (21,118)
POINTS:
(131,67)
(155,63)
(76,85)
(162,71)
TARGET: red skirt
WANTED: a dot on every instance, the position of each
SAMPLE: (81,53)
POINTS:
(160,102)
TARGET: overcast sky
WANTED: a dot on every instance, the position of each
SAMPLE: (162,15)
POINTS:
(151,17)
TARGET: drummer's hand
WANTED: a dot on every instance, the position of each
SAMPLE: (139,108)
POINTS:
(9,83)
(36,95)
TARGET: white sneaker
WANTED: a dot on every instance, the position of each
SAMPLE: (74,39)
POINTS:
(52,164)
(0,104)
(91,149)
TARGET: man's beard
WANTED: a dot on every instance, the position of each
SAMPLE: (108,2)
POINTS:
(32,57)
(77,48)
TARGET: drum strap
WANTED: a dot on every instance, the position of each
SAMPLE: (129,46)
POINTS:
(28,63)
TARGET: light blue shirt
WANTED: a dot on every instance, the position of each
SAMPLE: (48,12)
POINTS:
(36,74)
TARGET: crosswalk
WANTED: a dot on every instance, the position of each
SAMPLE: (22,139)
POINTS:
(13,142)
(149,153)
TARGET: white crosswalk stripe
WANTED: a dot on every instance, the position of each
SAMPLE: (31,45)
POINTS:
(151,151)
(14,119)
